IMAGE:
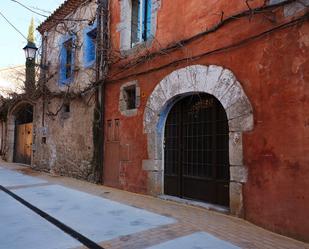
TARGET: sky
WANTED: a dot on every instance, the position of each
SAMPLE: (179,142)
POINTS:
(11,42)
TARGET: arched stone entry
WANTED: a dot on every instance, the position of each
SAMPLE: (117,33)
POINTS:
(20,133)
(213,80)
(196,155)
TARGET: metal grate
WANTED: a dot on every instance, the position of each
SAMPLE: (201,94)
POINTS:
(196,150)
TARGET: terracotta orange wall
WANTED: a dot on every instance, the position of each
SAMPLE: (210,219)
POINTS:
(274,73)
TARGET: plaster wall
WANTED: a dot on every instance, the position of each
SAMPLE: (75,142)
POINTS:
(273,72)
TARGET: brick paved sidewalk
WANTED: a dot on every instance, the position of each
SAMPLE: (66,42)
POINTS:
(190,219)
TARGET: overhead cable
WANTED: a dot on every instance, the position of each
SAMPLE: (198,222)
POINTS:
(12,25)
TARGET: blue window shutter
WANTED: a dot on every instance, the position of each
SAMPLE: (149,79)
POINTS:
(139,27)
(148,18)
(89,46)
(73,56)
(64,78)
(91,49)
(63,60)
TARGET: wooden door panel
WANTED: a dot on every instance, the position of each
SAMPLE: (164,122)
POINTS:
(23,143)
(112,163)
(28,143)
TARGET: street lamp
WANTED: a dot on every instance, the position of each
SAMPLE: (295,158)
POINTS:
(30,53)
(30,50)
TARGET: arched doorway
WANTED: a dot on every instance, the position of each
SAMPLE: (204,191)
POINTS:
(23,134)
(215,81)
(196,153)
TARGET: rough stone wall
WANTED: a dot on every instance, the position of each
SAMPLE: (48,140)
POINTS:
(273,72)
(68,149)
(64,143)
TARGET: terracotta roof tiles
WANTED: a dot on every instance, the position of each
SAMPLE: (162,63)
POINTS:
(59,14)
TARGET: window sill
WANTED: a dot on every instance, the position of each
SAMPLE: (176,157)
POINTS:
(129,113)
(137,47)
(89,64)
(65,82)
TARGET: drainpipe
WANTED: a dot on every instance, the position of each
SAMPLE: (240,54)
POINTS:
(43,68)
(101,71)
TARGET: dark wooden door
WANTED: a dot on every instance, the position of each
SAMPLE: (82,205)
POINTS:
(196,151)
(23,143)
(112,154)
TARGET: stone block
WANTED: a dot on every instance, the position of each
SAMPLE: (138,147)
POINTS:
(157,99)
(232,95)
(293,8)
(154,184)
(235,148)
(236,199)
(154,146)
(242,123)
(226,80)
(213,74)
(170,85)
(239,174)
(241,107)
(152,165)
(151,119)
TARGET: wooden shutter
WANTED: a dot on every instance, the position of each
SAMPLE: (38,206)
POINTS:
(148,18)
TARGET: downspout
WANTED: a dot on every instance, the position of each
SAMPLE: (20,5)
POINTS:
(43,68)
(101,72)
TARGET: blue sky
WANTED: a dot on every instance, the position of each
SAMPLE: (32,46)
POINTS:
(11,43)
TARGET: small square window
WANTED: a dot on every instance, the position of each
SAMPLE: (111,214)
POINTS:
(43,140)
(130,97)
(66,107)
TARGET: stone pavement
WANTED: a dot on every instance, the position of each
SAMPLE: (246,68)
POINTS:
(128,220)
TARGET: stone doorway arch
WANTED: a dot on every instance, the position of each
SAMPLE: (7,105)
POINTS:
(213,80)
(17,116)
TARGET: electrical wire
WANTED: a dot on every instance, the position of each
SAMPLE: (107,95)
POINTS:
(12,25)
(33,11)
(45,16)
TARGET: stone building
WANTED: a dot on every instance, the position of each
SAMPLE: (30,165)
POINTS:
(204,100)
(64,135)
(52,128)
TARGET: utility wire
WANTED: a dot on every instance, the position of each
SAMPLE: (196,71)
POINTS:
(45,16)
(33,11)
(12,25)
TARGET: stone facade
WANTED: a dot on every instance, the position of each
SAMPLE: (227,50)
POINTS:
(67,148)
(63,139)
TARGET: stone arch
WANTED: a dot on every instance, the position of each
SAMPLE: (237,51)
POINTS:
(11,126)
(222,84)
(17,106)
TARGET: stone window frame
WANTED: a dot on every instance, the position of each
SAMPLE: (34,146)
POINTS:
(124,26)
(122,100)
(222,84)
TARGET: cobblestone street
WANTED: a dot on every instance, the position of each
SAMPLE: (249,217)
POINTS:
(117,219)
